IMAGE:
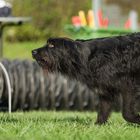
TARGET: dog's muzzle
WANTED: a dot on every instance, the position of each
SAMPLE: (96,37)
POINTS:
(34,53)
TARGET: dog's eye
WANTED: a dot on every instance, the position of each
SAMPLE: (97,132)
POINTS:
(50,45)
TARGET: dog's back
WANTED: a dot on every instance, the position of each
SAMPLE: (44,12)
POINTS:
(121,53)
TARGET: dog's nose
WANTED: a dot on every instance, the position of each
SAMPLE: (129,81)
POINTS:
(34,52)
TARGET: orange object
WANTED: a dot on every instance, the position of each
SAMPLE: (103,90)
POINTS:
(90,19)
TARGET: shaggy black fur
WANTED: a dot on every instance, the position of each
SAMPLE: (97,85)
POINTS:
(111,65)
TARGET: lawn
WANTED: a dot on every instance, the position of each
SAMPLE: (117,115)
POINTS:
(21,50)
(64,126)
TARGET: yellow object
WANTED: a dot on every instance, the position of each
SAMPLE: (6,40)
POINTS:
(91,21)
(82,18)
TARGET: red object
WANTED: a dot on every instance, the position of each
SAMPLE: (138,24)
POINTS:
(103,22)
(127,24)
(100,18)
(76,21)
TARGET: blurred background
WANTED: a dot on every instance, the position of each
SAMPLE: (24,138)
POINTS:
(54,18)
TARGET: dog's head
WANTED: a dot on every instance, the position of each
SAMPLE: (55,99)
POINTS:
(57,54)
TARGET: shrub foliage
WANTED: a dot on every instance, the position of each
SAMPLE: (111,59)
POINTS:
(48,17)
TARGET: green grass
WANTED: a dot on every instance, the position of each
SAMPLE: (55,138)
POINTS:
(64,126)
(21,50)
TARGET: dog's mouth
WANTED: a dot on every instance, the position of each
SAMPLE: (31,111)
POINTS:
(40,61)
(45,64)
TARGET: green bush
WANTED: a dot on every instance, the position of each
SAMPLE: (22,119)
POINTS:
(48,17)
(24,33)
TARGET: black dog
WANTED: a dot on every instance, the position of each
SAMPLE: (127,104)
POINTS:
(111,65)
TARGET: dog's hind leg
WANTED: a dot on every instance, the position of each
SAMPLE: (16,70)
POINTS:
(104,109)
(128,111)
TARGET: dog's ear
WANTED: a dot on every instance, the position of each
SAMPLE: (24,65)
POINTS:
(51,42)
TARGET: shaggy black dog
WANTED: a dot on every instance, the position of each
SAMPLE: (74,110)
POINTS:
(111,65)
